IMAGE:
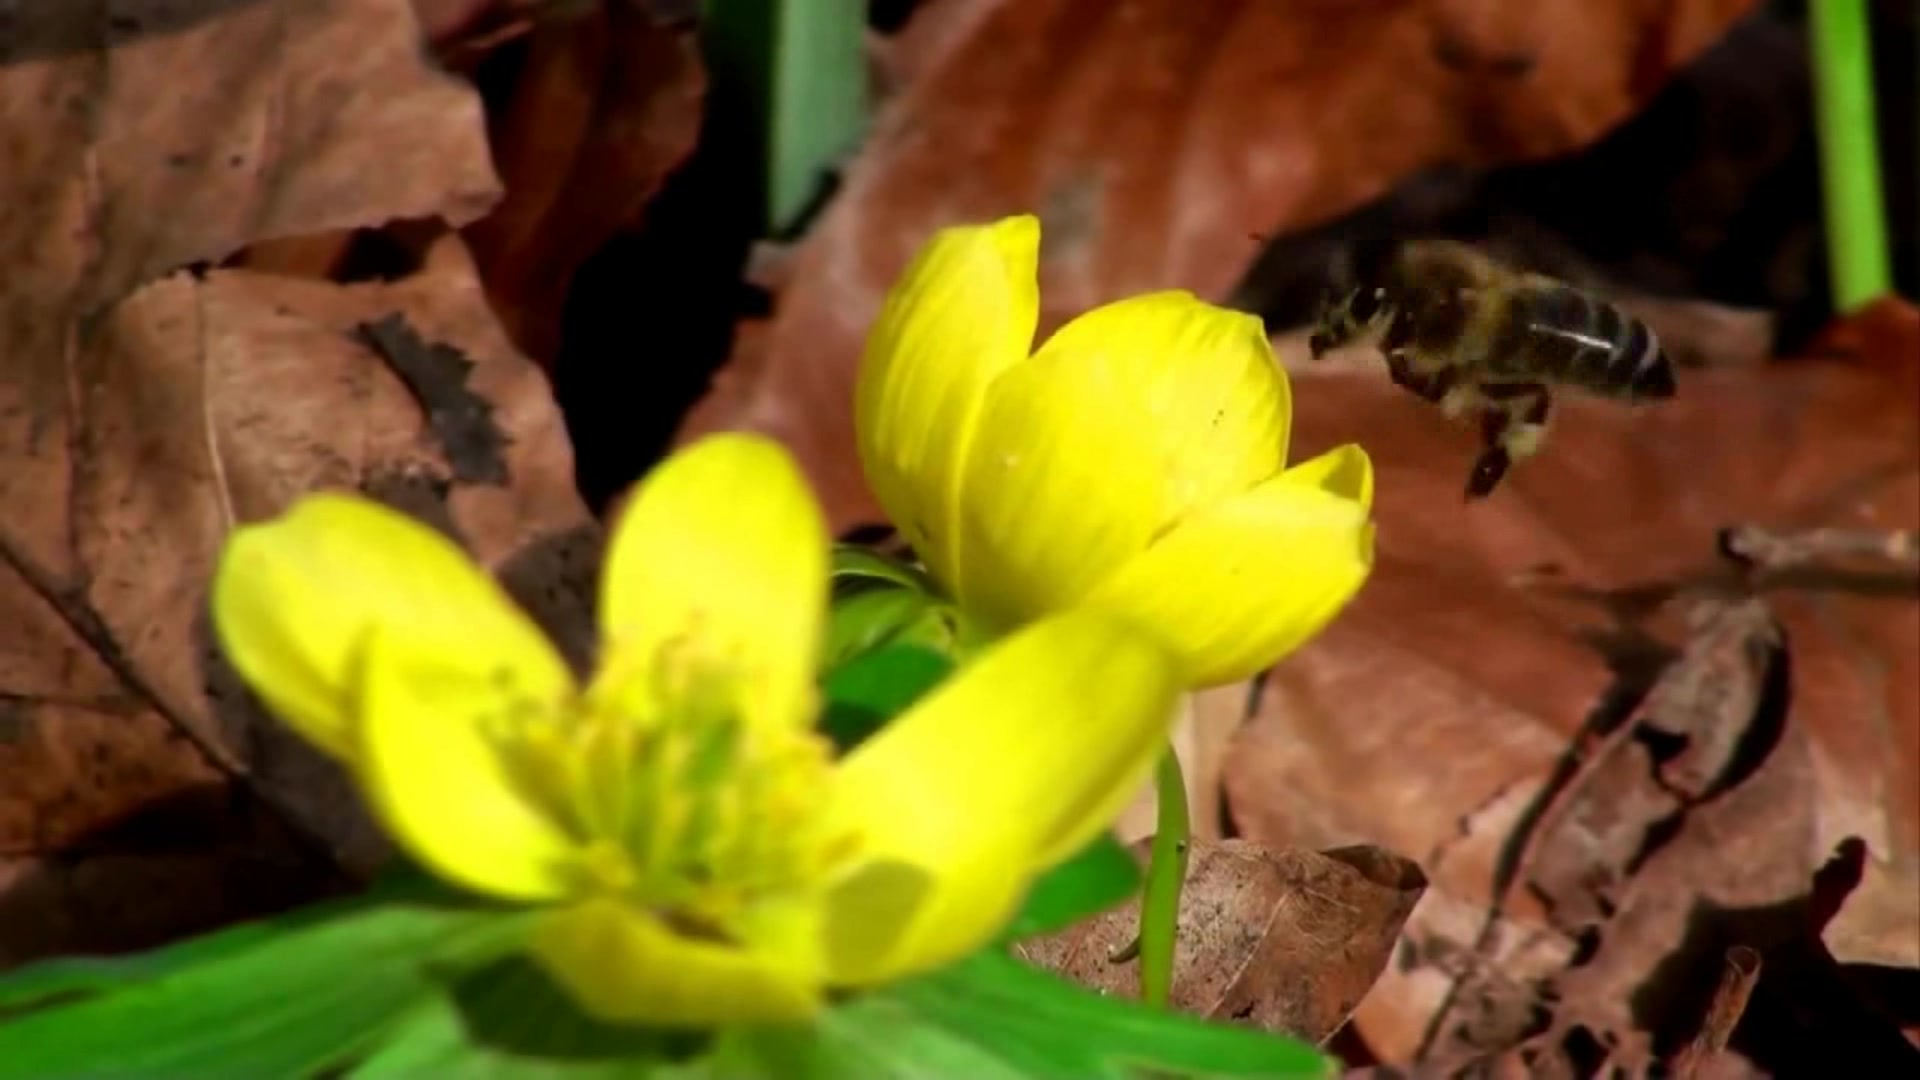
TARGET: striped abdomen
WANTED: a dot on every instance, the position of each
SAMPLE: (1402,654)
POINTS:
(1553,333)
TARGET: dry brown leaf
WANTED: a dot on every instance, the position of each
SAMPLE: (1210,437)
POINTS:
(1286,941)
(142,142)
(199,404)
(607,103)
(135,141)
(1711,725)
(1720,703)
(443,19)
(1435,714)
(1159,139)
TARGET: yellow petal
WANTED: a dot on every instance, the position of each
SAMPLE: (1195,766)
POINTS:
(1243,583)
(1127,419)
(1001,771)
(436,769)
(1344,471)
(623,965)
(962,313)
(293,597)
(722,552)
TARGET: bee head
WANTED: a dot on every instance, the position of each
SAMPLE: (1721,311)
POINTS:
(1346,317)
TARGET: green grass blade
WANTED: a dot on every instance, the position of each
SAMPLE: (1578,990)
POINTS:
(798,69)
(1849,156)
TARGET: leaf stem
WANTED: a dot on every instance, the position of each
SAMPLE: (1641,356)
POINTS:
(1849,158)
(1166,870)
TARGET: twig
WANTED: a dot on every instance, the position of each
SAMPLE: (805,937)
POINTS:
(1723,1012)
(1765,549)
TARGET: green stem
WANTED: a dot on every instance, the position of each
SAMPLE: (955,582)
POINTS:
(1166,870)
(1849,159)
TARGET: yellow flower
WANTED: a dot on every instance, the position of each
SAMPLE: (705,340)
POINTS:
(697,855)
(1134,464)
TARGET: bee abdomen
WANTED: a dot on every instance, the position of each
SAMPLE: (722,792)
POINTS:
(1564,335)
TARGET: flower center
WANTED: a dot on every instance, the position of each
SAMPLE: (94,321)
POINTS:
(682,804)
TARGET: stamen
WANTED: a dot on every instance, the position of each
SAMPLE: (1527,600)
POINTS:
(687,809)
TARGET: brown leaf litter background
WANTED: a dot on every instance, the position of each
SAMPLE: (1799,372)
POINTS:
(1577,761)
(1158,140)
(147,409)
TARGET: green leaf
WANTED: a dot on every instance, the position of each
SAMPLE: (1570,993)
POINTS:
(866,692)
(992,1016)
(283,997)
(795,73)
(1101,876)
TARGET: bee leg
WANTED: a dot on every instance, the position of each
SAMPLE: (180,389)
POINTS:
(1511,428)
(1427,385)
(1493,462)
(1524,435)
(1461,399)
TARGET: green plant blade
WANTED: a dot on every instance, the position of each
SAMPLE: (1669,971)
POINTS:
(284,997)
(1849,153)
(1166,873)
(797,71)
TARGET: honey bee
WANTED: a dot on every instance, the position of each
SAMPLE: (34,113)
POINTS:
(1463,331)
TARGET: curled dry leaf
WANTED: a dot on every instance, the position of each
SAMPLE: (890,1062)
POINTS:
(607,103)
(199,404)
(1498,643)
(1717,709)
(1287,941)
(135,427)
(1626,848)
(1159,139)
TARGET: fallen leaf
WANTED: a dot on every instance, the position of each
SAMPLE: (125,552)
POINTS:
(605,104)
(1157,141)
(1630,809)
(201,403)
(138,141)
(442,19)
(1284,940)
(151,139)
(1719,707)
